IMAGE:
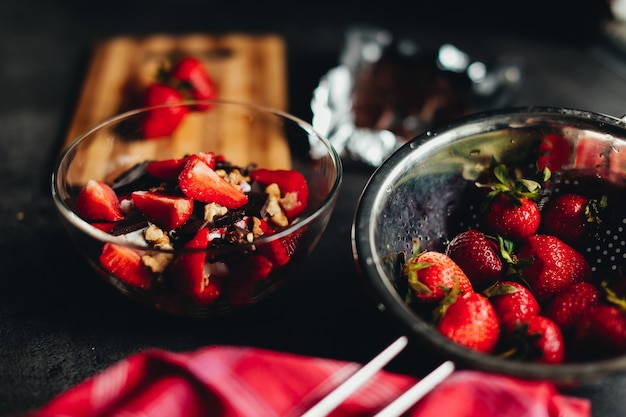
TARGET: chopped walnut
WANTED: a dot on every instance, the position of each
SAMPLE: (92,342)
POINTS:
(157,237)
(157,262)
(289,200)
(234,177)
(274,209)
(213,210)
(256,227)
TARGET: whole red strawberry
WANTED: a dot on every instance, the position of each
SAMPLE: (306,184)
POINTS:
(471,321)
(161,122)
(546,337)
(479,256)
(193,75)
(430,274)
(511,217)
(513,303)
(572,304)
(511,210)
(602,332)
(552,266)
(572,218)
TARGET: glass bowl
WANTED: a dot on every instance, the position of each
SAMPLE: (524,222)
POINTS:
(213,261)
(421,191)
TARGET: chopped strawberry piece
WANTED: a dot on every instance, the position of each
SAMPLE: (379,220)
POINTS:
(281,250)
(166,169)
(200,182)
(293,187)
(167,212)
(106,227)
(162,121)
(192,73)
(245,273)
(126,265)
(97,201)
(189,272)
(170,169)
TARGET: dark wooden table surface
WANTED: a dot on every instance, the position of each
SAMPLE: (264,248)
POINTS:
(59,323)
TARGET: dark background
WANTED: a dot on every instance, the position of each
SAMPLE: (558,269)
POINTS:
(59,324)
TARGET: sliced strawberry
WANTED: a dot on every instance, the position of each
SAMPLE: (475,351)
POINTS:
(245,273)
(106,227)
(167,212)
(189,272)
(126,265)
(293,188)
(166,169)
(97,201)
(281,250)
(170,169)
(192,73)
(162,121)
(200,182)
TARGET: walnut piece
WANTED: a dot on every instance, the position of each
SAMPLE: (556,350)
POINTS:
(157,237)
(274,209)
(213,210)
(157,262)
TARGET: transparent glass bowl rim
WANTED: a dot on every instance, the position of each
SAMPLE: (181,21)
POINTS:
(103,237)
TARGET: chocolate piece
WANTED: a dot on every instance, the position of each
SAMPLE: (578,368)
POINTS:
(132,222)
(135,178)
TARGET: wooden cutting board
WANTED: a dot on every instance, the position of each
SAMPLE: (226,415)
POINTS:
(247,68)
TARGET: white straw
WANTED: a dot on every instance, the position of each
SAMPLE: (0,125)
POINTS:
(401,404)
(360,377)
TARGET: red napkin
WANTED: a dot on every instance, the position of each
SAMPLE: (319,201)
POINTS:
(236,381)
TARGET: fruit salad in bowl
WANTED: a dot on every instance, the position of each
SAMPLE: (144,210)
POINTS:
(206,217)
(499,241)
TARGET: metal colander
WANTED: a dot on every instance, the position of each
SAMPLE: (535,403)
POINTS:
(426,189)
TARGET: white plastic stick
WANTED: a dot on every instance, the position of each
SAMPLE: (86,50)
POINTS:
(360,377)
(405,401)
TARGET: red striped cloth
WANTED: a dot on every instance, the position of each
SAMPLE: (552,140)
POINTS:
(241,382)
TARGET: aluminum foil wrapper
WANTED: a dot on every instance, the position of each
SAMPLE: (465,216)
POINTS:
(386,91)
